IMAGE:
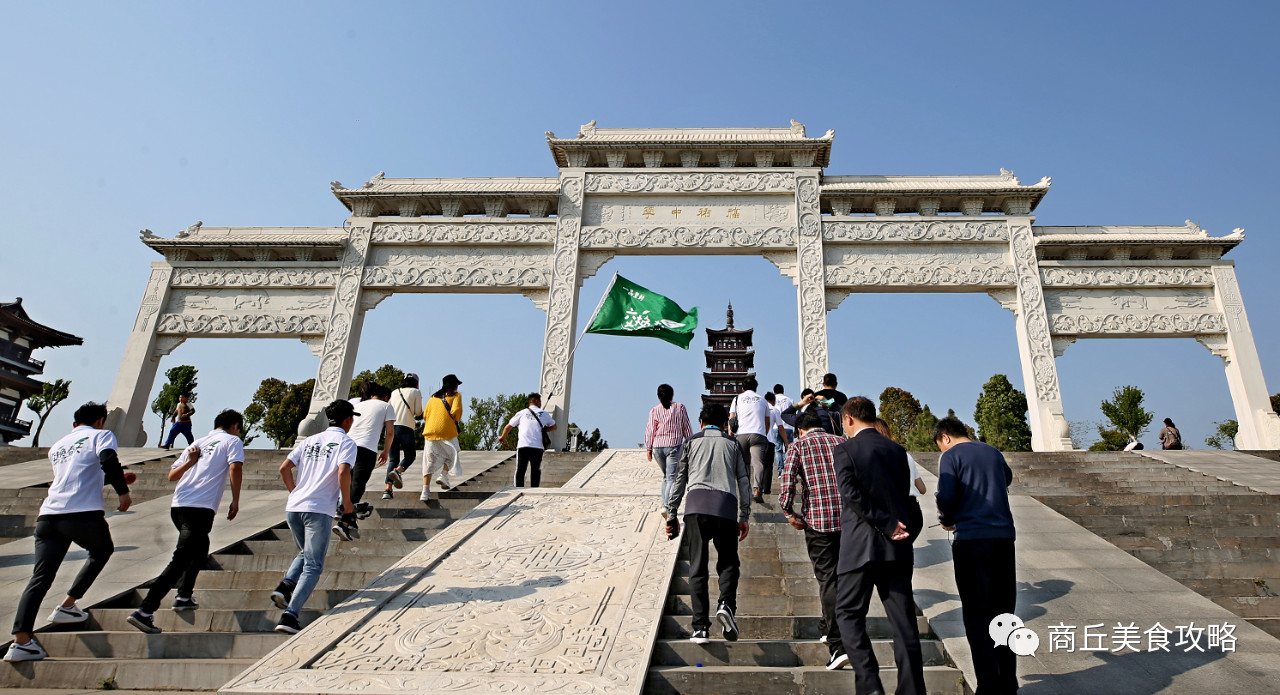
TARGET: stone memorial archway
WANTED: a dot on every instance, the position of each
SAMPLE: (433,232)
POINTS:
(698,191)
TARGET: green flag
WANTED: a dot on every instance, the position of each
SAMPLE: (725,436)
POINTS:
(629,309)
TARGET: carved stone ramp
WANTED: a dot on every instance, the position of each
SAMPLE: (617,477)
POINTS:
(1073,570)
(535,590)
(203,649)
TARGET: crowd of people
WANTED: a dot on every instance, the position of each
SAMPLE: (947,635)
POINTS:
(857,491)
(326,475)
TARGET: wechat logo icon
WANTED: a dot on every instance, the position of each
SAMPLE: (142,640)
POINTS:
(1007,630)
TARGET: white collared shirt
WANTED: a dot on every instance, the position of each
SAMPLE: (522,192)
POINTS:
(202,486)
(77,471)
(315,476)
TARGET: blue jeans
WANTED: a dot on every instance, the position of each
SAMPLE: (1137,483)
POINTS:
(183,428)
(668,459)
(406,443)
(311,532)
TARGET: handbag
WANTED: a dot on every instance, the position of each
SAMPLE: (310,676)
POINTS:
(546,438)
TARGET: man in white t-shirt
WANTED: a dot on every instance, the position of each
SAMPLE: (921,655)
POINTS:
(201,471)
(531,422)
(754,420)
(323,473)
(374,417)
(778,441)
(781,401)
(407,401)
(83,463)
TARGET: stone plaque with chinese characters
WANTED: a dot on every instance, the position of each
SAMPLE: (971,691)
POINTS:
(689,211)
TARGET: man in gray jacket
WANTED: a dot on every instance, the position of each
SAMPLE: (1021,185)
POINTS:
(715,473)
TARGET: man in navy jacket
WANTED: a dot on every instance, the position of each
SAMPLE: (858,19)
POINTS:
(973,503)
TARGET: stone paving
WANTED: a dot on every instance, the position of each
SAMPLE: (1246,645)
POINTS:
(1253,472)
(1069,576)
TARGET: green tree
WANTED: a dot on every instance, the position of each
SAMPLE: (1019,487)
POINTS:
(387,375)
(181,379)
(1001,414)
(1275,403)
(1111,440)
(1125,413)
(1224,434)
(594,442)
(44,402)
(253,415)
(480,428)
(920,438)
(900,409)
(283,406)
(951,412)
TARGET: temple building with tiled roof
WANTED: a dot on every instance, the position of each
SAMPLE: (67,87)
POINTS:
(19,336)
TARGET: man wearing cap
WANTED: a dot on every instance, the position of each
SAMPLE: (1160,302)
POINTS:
(323,472)
(441,416)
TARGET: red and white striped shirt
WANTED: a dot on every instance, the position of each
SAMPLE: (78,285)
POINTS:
(667,427)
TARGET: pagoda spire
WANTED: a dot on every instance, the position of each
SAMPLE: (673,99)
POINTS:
(728,317)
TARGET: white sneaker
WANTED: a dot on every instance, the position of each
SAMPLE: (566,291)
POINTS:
(426,495)
(31,651)
(62,615)
(443,481)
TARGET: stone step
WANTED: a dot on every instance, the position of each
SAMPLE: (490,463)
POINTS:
(280,563)
(808,680)
(366,545)
(1251,606)
(124,674)
(773,653)
(229,599)
(174,645)
(258,615)
(267,580)
(749,604)
(780,627)
(760,586)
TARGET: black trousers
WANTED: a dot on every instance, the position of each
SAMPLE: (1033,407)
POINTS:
(406,444)
(699,531)
(892,580)
(529,458)
(366,461)
(988,587)
(824,552)
(54,535)
(189,557)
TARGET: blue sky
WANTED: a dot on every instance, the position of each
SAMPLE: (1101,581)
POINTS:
(125,116)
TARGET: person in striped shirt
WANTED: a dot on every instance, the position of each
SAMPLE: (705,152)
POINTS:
(810,465)
(667,431)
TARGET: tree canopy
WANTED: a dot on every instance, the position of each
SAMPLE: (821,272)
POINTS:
(387,375)
(1001,414)
(920,438)
(283,406)
(1125,413)
(479,430)
(44,402)
(1224,436)
(594,442)
(899,409)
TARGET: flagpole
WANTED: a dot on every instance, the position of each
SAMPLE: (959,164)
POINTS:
(599,305)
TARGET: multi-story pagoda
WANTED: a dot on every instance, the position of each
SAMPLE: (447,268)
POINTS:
(730,360)
(19,335)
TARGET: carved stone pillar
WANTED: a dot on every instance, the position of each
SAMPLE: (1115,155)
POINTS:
(562,307)
(346,319)
(811,277)
(128,402)
(1259,424)
(1049,429)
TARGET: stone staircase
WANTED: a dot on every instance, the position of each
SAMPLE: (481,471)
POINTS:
(232,629)
(778,614)
(1217,538)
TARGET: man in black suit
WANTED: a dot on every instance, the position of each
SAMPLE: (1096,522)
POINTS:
(875,549)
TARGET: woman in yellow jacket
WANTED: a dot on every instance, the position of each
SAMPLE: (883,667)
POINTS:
(441,414)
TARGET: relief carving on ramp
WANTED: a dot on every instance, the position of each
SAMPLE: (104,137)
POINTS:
(535,591)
